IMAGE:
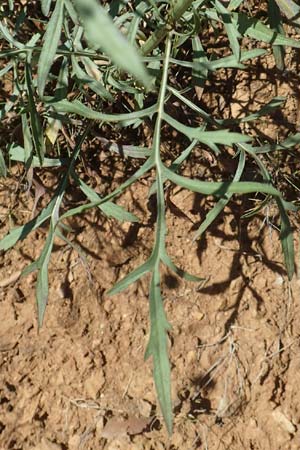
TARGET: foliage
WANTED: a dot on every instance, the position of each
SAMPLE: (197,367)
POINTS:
(82,50)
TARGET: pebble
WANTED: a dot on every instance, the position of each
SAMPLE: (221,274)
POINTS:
(283,421)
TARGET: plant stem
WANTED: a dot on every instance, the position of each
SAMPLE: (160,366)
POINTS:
(178,9)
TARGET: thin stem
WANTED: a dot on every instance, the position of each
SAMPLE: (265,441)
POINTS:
(160,33)
(161,227)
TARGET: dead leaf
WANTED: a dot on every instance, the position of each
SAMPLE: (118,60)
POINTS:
(116,428)
(136,425)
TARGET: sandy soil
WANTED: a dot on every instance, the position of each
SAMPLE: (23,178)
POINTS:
(81,383)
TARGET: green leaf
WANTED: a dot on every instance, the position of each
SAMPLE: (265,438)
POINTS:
(126,150)
(42,287)
(3,170)
(276,24)
(230,28)
(288,143)
(287,241)
(51,41)
(18,153)
(148,164)
(19,233)
(266,109)
(9,38)
(220,189)
(92,83)
(77,107)
(181,273)
(200,63)
(210,138)
(290,9)
(110,209)
(132,277)
(254,28)
(101,33)
(234,4)
(220,205)
(35,122)
(45,6)
(158,349)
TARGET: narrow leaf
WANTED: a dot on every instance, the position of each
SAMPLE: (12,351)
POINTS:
(220,205)
(35,122)
(51,41)
(92,83)
(158,349)
(132,277)
(3,170)
(181,273)
(276,23)
(255,29)
(78,108)
(209,138)
(101,33)
(219,189)
(19,233)
(141,171)
(45,6)
(110,209)
(18,153)
(290,9)
(287,241)
(42,287)
(230,28)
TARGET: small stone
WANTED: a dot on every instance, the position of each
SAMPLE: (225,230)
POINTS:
(198,315)
(283,421)
(279,281)
(191,356)
(99,426)
(144,408)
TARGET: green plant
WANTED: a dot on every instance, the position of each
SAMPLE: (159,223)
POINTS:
(160,36)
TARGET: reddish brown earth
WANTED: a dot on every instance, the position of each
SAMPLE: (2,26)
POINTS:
(81,382)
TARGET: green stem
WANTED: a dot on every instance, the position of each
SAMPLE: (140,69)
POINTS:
(161,226)
(176,12)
